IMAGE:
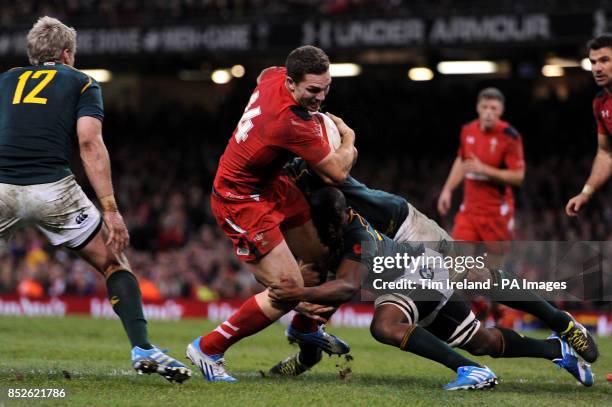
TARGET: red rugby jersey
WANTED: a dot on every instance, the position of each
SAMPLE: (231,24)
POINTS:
(602,110)
(501,148)
(273,129)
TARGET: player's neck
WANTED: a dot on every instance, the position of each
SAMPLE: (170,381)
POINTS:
(487,129)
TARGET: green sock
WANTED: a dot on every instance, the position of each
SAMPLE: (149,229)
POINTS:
(124,296)
(423,343)
(533,304)
(516,346)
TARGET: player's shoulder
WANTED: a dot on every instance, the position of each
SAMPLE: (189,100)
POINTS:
(359,228)
(13,71)
(600,95)
(508,130)
(600,98)
(80,75)
(471,125)
(271,73)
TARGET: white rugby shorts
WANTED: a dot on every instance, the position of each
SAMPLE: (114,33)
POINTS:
(60,210)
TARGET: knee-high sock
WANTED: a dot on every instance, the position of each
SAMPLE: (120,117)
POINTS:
(515,345)
(249,319)
(533,304)
(421,342)
(124,296)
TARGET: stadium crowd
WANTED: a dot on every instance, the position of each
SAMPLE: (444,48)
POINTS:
(110,12)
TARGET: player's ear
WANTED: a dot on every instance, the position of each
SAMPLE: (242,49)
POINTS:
(65,57)
(290,84)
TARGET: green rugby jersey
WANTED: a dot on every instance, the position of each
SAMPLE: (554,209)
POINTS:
(385,211)
(362,243)
(39,108)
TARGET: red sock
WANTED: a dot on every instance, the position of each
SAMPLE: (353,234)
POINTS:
(248,320)
(304,324)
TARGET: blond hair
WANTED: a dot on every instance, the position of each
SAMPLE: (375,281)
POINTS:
(48,38)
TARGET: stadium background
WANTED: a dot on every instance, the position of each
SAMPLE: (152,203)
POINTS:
(167,122)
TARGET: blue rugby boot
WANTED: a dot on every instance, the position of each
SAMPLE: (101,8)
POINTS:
(570,361)
(473,377)
(155,360)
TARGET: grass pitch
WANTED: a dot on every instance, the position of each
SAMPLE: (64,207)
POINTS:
(90,360)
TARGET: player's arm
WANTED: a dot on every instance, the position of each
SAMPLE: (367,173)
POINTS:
(513,159)
(512,177)
(96,162)
(600,173)
(333,292)
(336,166)
(452,182)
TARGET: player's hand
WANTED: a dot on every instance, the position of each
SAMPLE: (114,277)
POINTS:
(444,202)
(474,165)
(314,311)
(118,236)
(286,290)
(575,204)
(343,128)
(310,274)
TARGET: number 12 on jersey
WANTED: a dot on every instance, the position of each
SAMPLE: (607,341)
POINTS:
(31,97)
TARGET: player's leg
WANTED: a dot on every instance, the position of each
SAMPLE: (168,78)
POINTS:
(255,314)
(254,229)
(303,240)
(395,324)
(559,321)
(505,343)
(122,286)
(125,298)
(77,225)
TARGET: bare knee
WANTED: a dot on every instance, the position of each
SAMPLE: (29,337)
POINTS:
(389,325)
(102,258)
(382,331)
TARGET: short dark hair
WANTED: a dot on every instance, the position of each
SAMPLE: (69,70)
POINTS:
(327,208)
(601,41)
(491,93)
(304,60)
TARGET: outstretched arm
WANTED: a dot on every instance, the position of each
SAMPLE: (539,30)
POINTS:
(600,173)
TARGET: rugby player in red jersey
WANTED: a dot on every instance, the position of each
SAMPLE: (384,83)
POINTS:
(263,212)
(600,55)
(490,161)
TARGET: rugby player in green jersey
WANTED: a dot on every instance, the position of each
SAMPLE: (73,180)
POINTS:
(426,322)
(398,219)
(44,109)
